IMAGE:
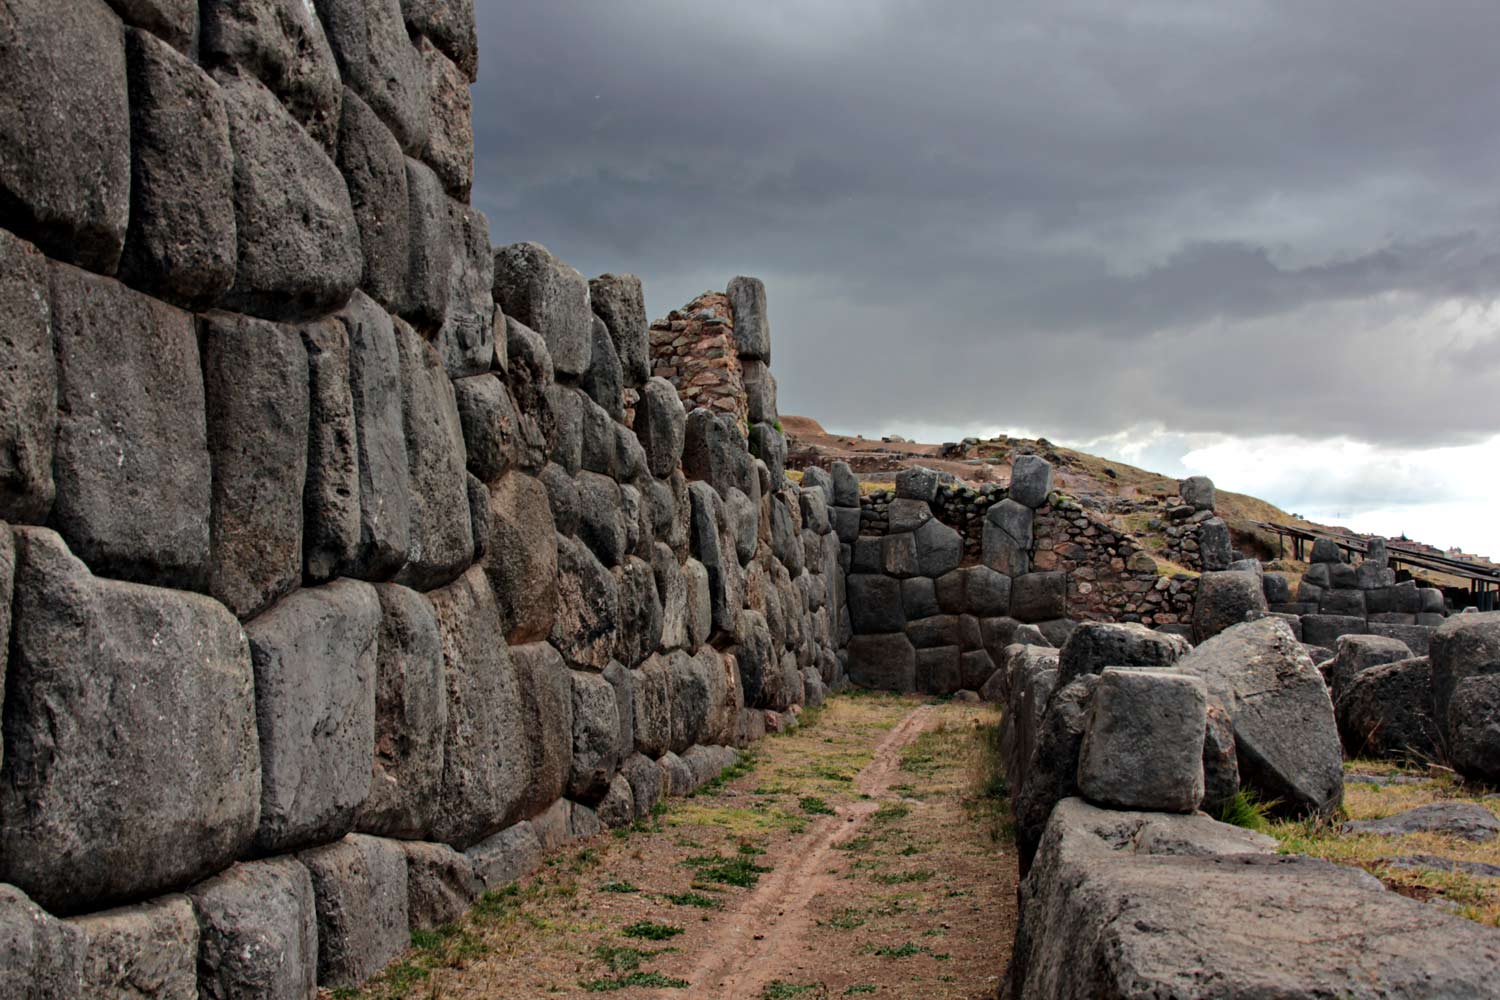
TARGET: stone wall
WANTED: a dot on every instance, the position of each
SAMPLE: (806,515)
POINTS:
(338,582)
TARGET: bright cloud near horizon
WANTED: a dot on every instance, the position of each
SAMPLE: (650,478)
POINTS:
(1259,241)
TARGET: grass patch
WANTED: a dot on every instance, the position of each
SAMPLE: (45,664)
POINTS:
(1247,810)
(618,887)
(738,871)
(624,959)
(890,813)
(815,805)
(846,920)
(690,898)
(654,980)
(906,950)
(776,989)
(650,930)
(903,878)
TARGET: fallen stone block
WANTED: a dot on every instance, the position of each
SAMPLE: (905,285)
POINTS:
(1143,744)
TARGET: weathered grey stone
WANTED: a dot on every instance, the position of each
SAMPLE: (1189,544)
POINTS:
(1342,576)
(1039,597)
(450,25)
(379,63)
(845,485)
(1464,646)
(617,807)
(1143,747)
(506,857)
(1344,603)
(597,750)
(180,244)
(298,243)
(1385,710)
(440,884)
(918,483)
(1357,653)
(938,670)
(699,603)
(1008,538)
(490,425)
(175,21)
(940,630)
(131,463)
(906,514)
(677,777)
(744,524)
(883,662)
(547,721)
(597,445)
(564,415)
(1277,588)
(315,665)
(256,382)
(640,612)
(599,524)
(623,682)
(1467,820)
(376,389)
(1030,480)
(898,555)
(1221,768)
(709,549)
(522,559)
(660,424)
(875,603)
(40,956)
(485,760)
(1223,600)
(1325,630)
(714,451)
(1373,576)
(1326,550)
(1215,549)
(645,783)
(752,329)
(370,159)
(1198,492)
(442,537)
(147,950)
(760,392)
(28,384)
(360,887)
(1093,646)
(550,298)
(652,706)
(65,131)
(1055,631)
(1049,774)
(1284,730)
(258,927)
(586,627)
(757,654)
(411,717)
(1153,925)
(280,42)
(769,445)
(1473,723)
(939,548)
(1432,600)
(918,599)
(431,245)
(479,514)
(449,149)
(331,495)
(692,700)
(604,379)
(107,681)
(467,341)
(618,301)
(1415,637)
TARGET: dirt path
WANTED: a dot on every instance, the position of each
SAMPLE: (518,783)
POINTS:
(856,856)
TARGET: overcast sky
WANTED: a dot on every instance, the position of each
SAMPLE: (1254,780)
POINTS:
(1259,240)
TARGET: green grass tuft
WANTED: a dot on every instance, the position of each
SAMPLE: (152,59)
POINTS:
(651,930)
(815,805)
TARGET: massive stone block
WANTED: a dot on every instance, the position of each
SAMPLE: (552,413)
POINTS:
(596,736)
(281,43)
(652,706)
(370,159)
(599,523)
(617,300)
(1039,597)
(378,61)
(299,251)
(360,888)
(330,498)
(430,250)
(1030,480)
(467,339)
(1008,538)
(450,25)
(440,884)
(176,21)
(605,379)
(1223,600)
(1463,646)
(640,617)
(411,717)
(760,392)
(939,548)
(769,445)
(1473,726)
(65,130)
(485,761)
(1358,653)
(490,424)
(717,559)
(547,720)
(522,559)
(28,384)
(442,537)
(108,683)
(131,465)
(551,298)
(315,664)
(1143,748)
(1385,710)
(256,382)
(149,950)
(752,329)
(1096,645)
(883,662)
(40,956)
(1284,730)
(259,932)
(586,628)
(376,388)
(181,241)
(449,148)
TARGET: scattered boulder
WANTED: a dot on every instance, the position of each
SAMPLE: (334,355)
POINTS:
(1143,745)
(1357,653)
(1094,646)
(1466,820)
(1223,600)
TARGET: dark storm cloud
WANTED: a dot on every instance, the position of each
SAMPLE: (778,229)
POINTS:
(1273,217)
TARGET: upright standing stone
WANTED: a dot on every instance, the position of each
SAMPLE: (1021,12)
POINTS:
(132,465)
(175,21)
(181,241)
(28,384)
(1215,547)
(430,250)
(1464,646)
(1007,538)
(1197,492)
(375,386)
(108,683)
(65,129)
(256,381)
(299,251)
(466,340)
(281,43)
(315,668)
(661,426)
(752,330)
(605,381)
(547,723)
(1030,480)
(259,932)
(617,299)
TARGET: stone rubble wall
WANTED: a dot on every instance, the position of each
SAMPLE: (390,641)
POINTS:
(338,582)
